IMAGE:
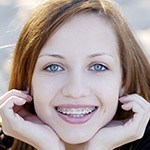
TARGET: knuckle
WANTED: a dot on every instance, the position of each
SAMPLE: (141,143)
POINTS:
(147,110)
(135,94)
(12,97)
(1,109)
(13,91)
(137,135)
(9,93)
(6,131)
(148,107)
(9,129)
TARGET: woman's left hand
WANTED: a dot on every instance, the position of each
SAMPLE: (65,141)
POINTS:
(118,133)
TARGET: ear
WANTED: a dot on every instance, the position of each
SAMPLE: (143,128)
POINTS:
(121,93)
(27,89)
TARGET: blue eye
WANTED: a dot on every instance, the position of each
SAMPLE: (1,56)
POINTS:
(98,68)
(53,68)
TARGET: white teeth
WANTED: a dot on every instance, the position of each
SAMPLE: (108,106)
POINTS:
(76,112)
(77,116)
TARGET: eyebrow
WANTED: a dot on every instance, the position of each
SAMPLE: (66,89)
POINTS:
(52,55)
(90,56)
(99,54)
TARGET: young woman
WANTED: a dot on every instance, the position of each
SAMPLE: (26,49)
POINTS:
(79,81)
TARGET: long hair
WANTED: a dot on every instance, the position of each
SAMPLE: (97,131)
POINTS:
(51,15)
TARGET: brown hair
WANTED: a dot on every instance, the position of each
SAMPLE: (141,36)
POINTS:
(51,15)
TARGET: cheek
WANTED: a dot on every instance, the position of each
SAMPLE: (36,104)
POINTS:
(107,92)
(44,92)
(108,95)
(44,88)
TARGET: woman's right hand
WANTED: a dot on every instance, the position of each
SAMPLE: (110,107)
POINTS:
(20,124)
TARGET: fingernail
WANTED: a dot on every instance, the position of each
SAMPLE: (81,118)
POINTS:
(23,101)
(123,98)
(28,97)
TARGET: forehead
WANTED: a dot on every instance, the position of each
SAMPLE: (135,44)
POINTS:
(83,32)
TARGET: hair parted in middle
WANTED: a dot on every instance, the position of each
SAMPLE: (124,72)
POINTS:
(50,15)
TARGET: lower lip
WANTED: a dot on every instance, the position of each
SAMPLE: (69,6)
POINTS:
(74,120)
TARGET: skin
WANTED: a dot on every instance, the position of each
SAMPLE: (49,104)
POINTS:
(76,81)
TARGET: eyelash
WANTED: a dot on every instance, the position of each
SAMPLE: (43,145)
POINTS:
(59,68)
(101,68)
(49,68)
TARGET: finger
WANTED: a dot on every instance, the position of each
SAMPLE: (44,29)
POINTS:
(21,94)
(17,109)
(137,98)
(9,117)
(140,114)
(139,120)
(134,106)
(137,104)
(7,106)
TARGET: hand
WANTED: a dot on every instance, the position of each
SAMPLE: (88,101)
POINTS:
(118,133)
(19,123)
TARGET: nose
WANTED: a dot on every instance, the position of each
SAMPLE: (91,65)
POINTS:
(76,87)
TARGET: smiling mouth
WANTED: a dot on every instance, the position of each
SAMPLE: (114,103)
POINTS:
(79,112)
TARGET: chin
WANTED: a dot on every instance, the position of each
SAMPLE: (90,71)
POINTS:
(75,141)
(77,138)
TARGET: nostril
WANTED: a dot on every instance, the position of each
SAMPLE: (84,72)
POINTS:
(75,92)
(75,86)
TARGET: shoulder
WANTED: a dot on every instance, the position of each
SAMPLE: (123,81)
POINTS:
(5,141)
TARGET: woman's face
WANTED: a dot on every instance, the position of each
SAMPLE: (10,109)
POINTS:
(77,78)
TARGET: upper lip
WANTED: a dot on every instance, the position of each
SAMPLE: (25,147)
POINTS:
(71,109)
(75,106)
